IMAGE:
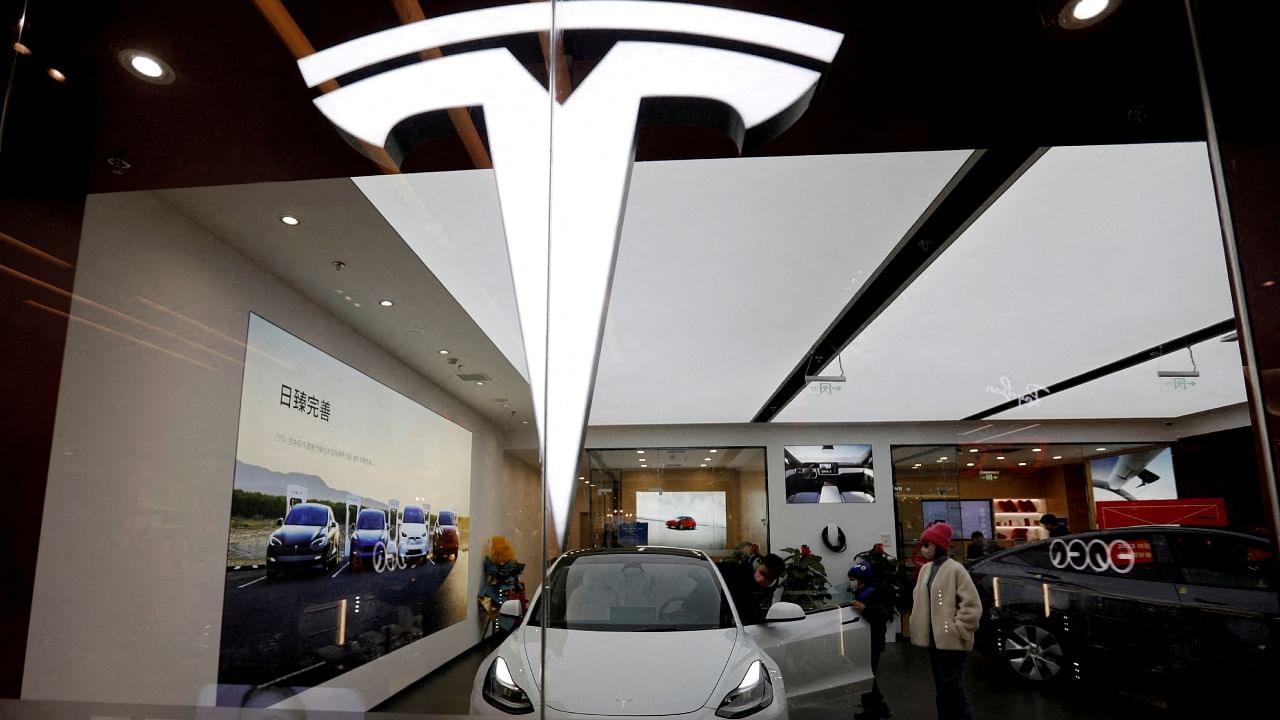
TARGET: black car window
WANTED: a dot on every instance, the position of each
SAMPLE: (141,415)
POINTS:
(371,520)
(307,515)
(413,515)
(1223,561)
(446,518)
(1034,554)
(1129,556)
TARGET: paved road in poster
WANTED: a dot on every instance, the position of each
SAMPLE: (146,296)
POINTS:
(301,630)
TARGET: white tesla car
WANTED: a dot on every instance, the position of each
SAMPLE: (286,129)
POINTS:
(651,631)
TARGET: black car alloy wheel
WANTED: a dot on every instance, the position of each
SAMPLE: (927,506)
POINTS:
(1034,652)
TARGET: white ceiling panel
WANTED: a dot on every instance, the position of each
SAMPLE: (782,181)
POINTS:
(1095,253)
(452,221)
(1139,393)
(730,269)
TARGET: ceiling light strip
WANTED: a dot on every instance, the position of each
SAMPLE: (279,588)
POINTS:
(1142,356)
(976,185)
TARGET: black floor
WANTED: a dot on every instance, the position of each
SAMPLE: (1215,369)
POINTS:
(905,681)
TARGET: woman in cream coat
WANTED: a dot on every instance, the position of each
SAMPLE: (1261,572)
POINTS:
(944,617)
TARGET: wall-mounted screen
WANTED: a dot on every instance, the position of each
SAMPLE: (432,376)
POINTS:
(683,519)
(829,474)
(964,516)
(349,521)
(1143,475)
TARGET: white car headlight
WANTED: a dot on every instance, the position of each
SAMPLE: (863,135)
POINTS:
(752,695)
(501,691)
(319,542)
(274,541)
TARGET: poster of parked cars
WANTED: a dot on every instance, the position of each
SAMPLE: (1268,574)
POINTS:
(828,474)
(683,519)
(348,534)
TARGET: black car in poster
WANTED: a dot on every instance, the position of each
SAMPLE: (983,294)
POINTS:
(1150,601)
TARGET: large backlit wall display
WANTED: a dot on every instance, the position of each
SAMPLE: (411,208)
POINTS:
(829,474)
(683,519)
(143,466)
(372,481)
(1145,475)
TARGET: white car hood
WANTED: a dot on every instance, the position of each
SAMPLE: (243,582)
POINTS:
(656,673)
(413,529)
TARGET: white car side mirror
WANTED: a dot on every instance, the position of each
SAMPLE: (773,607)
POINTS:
(510,608)
(784,612)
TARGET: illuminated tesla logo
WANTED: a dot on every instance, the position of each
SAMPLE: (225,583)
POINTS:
(752,75)
(1097,555)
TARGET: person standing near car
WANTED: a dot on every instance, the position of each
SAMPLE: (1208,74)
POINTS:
(1053,525)
(944,617)
(875,601)
(752,586)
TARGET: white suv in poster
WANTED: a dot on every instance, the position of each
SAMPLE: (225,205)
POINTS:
(415,540)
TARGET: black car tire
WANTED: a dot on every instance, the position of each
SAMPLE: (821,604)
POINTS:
(1034,652)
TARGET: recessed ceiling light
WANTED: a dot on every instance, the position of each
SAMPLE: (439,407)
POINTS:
(386,303)
(1021,464)
(290,220)
(1057,457)
(357,304)
(999,457)
(21,49)
(968,464)
(146,66)
(973,450)
(1083,13)
(1100,449)
(524,422)
(1088,9)
(639,452)
(444,352)
(586,483)
(703,465)
(480,382)
(707,459)
(56,74)
(338,291)
(581,478)
(1268,283)
(715,451)
(944,457)
(1036,450)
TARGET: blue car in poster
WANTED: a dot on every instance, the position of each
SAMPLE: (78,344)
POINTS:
(307,537)
(369,539)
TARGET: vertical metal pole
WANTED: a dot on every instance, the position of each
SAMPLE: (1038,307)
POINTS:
(1256,400)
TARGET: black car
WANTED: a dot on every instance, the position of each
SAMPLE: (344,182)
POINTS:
(307,538)
(1152,601)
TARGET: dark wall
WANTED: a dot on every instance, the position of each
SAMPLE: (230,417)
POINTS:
(1223,464)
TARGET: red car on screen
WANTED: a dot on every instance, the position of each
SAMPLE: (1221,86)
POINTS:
(683,522)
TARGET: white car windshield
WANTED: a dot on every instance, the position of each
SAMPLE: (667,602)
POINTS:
(634,592)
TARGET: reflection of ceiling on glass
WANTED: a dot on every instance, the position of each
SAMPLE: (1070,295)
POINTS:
(1094,254)
(667,459)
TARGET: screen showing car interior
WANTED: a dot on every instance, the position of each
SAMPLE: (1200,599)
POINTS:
(684,519)
(829,474)
(330,563)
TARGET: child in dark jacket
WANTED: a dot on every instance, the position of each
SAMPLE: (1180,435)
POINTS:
(875,601)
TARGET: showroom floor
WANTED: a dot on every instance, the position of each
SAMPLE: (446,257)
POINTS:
(904,680)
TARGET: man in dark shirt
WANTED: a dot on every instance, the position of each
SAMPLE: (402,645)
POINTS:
(751,588)
(1056,527)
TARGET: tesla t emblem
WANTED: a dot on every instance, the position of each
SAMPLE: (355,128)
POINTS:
(752,75)
(623,702)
